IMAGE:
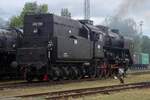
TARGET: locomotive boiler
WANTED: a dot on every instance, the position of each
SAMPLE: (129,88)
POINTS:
(56,48)
(8,46)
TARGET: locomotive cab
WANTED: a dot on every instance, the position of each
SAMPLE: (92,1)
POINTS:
(97,37)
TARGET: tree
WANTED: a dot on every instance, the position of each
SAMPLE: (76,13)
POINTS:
(16,21)
(137,44)
(145,44)
(29,8)
(65,13)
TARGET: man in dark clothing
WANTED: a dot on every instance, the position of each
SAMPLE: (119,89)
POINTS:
(121,75)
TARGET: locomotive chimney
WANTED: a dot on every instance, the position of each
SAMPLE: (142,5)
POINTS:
(115,31)
(86,22)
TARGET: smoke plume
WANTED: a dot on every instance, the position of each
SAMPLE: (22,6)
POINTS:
(130,6)
(121,19)
(147,17)
(3,23)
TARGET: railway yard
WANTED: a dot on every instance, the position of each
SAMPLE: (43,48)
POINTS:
(136,86)
(49,56)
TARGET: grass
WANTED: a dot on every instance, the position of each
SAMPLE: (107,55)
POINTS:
(59,87)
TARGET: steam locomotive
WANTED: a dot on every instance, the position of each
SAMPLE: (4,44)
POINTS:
(9,38)
(55,48)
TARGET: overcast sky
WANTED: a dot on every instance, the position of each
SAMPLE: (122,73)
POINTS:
(100,9)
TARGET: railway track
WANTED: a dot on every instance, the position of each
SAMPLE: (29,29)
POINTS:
(59,95)
(138,72)
(24,84)
(37,84)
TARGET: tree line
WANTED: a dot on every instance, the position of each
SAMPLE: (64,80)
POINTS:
(33,8)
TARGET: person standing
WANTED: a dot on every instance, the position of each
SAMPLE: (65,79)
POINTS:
(120,75)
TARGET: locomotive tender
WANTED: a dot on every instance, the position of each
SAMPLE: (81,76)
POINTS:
(56,48)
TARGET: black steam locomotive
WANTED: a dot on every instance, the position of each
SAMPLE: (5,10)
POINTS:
(9,38)
(56,48)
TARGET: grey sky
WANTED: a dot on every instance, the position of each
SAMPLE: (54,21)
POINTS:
(99,9)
